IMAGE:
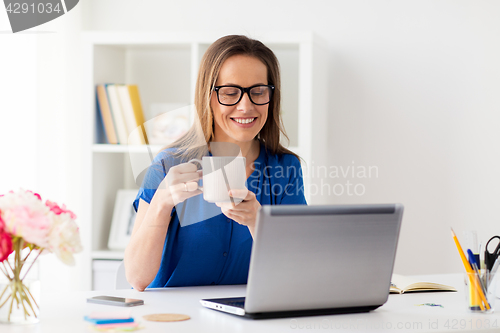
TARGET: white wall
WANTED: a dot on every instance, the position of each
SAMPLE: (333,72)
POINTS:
(413,91)
(40,115)
(18,109)
(59,139)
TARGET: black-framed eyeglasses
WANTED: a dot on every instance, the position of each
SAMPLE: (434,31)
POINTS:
(232,95)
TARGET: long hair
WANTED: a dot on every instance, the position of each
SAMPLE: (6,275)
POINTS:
(194,143)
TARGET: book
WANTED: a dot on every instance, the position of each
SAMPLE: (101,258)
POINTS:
(133,130)
(105,112)
(402,284)
(116,110)
(133,91)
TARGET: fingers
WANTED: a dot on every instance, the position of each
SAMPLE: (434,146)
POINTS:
(241,197)
(245,217)
(244,200)
(244,213)
(190,194)
(190,186)
(234,215)
(185,187)
(229,206)
(183,191)
(243,194)
(183,173)
(181,183)
(186,177)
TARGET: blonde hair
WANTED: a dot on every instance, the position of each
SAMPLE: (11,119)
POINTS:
(194,144)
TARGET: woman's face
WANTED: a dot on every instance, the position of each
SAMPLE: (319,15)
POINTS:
(242,122)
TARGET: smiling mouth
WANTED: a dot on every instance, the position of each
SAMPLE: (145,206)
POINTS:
(244,120)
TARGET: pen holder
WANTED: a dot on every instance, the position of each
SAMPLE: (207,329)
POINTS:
(479,293)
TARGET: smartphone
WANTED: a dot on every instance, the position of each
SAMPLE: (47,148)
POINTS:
(118,301)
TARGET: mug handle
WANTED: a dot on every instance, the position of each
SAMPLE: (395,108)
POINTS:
(195,160)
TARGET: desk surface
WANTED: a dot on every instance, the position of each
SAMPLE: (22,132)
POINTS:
(64,313)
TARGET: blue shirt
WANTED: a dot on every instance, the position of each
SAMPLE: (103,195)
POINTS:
(202,245)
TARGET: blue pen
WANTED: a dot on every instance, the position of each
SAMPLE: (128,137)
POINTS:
(473,296)
(472,259)
(475,267)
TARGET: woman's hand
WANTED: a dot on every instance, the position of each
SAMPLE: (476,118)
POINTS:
(180,183)
(244,212)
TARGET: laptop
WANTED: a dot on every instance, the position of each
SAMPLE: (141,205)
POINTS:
(318,260)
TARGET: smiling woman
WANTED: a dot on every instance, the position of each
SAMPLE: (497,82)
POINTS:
(179,238)
(232,64)
(237,118)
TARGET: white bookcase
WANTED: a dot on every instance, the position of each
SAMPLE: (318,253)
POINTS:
(164,66)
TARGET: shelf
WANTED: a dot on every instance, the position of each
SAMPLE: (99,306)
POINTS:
(107,148)
(108,254)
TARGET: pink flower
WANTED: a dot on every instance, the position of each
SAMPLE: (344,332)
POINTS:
(32,225)
(54,207)
(36,195)
(43,225)
(5,245)
(2,223)
(25,215)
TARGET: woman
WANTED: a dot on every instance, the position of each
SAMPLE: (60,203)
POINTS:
(178,238)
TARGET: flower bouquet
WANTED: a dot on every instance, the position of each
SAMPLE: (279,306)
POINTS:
(28,228)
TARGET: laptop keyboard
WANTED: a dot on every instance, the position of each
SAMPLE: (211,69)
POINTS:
(237,304)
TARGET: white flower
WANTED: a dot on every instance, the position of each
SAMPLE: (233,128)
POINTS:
(64,238)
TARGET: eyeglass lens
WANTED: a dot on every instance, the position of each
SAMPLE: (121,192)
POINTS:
(232,95)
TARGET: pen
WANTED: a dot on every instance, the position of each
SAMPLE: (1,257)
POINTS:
(479,260)
(480,281)
(473,294)
(472,258)
(469,270)
(473,264)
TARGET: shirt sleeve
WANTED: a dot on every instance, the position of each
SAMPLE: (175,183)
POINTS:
(293,193)
(154,175)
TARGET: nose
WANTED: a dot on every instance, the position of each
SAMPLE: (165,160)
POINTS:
(244,104)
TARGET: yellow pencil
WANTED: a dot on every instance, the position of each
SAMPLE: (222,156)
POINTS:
(469,270)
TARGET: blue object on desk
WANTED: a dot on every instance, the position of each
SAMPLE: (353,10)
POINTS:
(98,321)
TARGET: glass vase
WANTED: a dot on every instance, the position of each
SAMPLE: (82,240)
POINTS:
(19,291)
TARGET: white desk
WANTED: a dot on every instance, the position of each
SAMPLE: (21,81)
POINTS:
(64,313)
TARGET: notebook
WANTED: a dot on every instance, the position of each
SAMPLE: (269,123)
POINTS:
(402,284)
(317,260)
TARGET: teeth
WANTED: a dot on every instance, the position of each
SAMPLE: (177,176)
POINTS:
(244,121)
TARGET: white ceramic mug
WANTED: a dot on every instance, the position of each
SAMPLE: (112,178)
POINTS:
(220,175)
